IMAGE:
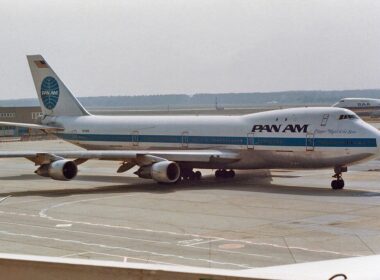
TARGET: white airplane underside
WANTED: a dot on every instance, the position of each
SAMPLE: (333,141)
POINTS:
(167,148)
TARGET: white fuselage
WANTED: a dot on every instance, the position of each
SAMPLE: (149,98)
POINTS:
(349,103)
(289,138)
(363,106)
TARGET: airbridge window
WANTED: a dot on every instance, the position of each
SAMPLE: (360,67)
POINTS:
(7,115)
(347,117)
(36,115)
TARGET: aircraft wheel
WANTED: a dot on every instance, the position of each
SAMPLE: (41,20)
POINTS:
(186,174)
(222,173)
(340,184)
(198,175)
(231,174)
(337,184)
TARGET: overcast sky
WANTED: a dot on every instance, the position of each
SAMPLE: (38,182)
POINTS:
(135,47)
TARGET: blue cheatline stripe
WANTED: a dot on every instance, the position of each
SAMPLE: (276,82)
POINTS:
(225,140)
(317,142)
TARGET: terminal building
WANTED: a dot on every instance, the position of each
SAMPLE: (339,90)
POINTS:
(18,114)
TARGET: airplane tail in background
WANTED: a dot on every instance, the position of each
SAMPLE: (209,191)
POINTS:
(54,97)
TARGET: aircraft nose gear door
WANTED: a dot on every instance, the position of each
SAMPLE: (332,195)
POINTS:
(250,141)
(309,141)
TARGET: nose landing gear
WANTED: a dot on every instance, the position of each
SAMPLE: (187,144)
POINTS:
(338,183)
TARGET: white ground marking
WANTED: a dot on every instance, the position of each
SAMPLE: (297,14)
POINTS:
(186,242)
(103,246)
(236,252)
(123,257)
(74,254)
(25,201)
(19,214)
(231,246)
(43,214)
(63,225)
(89,233)
(139,239)
(126,258)
(4,198)
(202,242)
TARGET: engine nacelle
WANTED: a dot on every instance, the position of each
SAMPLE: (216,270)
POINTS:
(163,172)
(63,170)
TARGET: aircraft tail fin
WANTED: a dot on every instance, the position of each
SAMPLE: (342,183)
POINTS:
(54,97)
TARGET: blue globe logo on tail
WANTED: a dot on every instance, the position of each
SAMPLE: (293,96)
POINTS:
(49,92)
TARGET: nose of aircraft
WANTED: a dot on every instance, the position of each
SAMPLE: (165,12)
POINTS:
(374,133)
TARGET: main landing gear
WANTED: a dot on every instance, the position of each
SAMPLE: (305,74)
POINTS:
(338,183)
(222,173)
(190,175)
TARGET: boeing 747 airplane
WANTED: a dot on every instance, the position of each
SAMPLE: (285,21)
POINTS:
(168,148)
(362,106)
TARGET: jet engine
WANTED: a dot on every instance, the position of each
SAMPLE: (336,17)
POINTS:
(162,171)
(63,170)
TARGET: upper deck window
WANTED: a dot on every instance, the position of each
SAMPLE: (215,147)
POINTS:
(347,117)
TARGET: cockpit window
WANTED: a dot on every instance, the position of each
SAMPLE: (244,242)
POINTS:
(347,117)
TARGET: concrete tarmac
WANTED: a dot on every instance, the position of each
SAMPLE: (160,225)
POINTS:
(260,218)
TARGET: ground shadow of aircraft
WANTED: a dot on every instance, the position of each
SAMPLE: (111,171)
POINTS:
(256,181)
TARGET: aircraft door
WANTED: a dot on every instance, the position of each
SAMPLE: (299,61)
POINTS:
(325,118)
(185,139)
(135,138)
(309,141)
(250,141)
(74,135)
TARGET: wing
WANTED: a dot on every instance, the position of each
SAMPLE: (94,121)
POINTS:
(161,166)
(33,126)
(139,157)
